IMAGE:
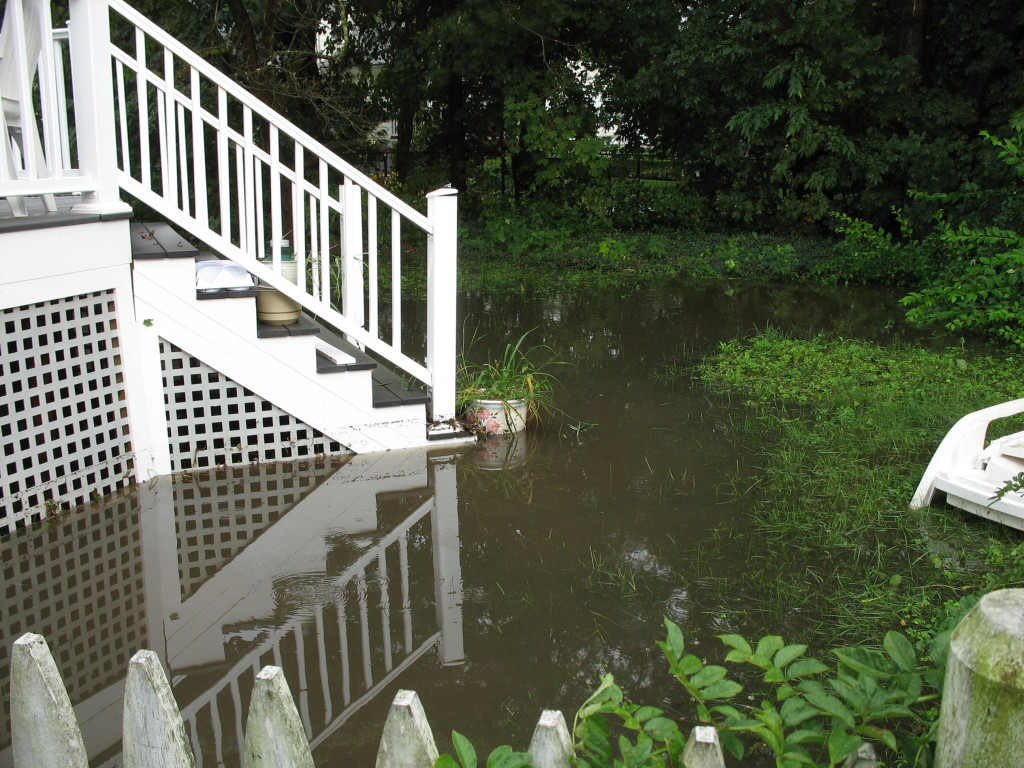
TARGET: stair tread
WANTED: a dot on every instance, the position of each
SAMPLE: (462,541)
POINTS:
(304,326)
(159,241)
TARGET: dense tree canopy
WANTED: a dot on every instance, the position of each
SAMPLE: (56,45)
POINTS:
(776,112)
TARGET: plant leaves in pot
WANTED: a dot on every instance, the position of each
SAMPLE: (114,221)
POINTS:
(502,395)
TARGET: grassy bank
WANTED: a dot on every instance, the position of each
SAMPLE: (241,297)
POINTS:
(844,429)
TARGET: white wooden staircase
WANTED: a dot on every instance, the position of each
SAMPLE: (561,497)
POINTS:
(326,382)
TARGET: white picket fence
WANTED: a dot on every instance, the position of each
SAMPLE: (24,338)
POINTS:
(980,725)
(45,733)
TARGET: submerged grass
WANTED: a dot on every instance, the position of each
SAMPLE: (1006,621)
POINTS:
(844,429)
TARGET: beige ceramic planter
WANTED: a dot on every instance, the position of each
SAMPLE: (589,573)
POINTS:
(498,417)
(272,306)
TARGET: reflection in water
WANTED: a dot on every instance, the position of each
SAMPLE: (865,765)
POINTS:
(343,575)
(576,540)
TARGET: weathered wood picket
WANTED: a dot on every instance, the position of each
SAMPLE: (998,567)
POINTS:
(980,724)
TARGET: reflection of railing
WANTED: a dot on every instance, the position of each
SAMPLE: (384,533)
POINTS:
(287,647)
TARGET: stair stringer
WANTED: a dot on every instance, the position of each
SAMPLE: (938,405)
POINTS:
(222,333)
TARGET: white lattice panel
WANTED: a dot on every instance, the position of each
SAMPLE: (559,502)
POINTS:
(213,421)
(79,583)
(64,428)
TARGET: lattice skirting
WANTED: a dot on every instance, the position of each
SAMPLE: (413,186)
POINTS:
(64,428)
(213,421)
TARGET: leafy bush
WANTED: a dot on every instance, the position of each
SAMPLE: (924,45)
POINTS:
(808,714)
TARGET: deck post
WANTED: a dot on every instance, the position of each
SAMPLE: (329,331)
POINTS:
(442,297)
(980,723)
(89,37)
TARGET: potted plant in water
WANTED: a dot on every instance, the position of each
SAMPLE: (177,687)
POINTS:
(500,396)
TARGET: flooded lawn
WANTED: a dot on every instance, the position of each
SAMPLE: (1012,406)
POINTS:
(496,581)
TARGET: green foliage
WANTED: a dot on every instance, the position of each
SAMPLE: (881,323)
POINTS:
(837,434)
(519,373)
(465,756)
(809,714)
(972,268)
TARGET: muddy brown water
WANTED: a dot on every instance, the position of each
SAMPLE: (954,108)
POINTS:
(495,581)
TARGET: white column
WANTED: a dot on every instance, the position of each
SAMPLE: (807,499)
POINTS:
(89,36)
(442,325)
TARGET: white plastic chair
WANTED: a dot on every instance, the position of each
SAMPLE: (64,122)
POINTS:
(19,61)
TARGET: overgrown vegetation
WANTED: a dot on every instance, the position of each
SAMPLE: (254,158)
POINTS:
(844,428)
(797,710)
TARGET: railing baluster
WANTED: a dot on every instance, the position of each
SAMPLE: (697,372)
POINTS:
(319,266)
(247,192)
(169,170)
(324,224)
(396,280)
(202,212)
(371,255)
(299,217)
(142,91)
(223,164)
(241,197)
(274,179)
(60,42)
(122,113)
(183,159)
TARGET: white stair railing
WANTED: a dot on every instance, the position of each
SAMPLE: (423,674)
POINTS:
(156,120)
(214,159)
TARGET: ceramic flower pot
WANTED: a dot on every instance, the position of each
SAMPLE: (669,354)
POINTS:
(272,306)
(498,417)
(496,452)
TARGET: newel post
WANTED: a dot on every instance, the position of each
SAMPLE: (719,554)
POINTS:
(442,296)
(981,722)
(89,40)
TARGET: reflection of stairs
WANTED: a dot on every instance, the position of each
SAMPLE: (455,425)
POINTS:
(305,369)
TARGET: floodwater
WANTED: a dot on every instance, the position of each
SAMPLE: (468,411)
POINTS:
(496,581)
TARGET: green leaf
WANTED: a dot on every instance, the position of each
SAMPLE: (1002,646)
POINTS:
(737,642)
(766,648)
(842,744)
(788,654)
(708,675)
(900,650)
(866,660)
(673,639)
(831,705)
(464,749)
(723,689)
(643,714)
(805,667)
(732,744)
(661,729)
(795,711)
(445,761)
(881,735)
